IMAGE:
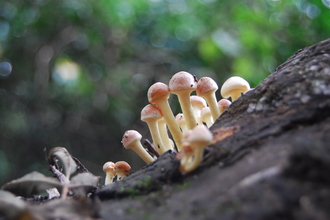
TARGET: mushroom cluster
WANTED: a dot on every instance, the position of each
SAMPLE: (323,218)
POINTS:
(189,128)
(119,169)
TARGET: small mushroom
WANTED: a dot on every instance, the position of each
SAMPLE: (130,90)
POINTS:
(206,116)
(223,104)
(187,149)
(131,140)
(197,103)
(158,94)
(180,119)
(183,84)
(206,88)
(151,114)
(199,138)
(110,172)
(122,169)
(234,87)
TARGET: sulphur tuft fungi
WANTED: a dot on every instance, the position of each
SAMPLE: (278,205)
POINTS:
(158,94)
(206,88)
(109,169)
(199,138)
(234,87)
(122,169)
(206,117)
(131,140)
(183,84)
(180,119)
(197,103)
(151,115)
(223,104)
(168,143)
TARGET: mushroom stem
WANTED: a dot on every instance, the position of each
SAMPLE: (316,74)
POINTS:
(207,117)
(213,105)
(157,142)
(168,143)
(171,123)
(187,110)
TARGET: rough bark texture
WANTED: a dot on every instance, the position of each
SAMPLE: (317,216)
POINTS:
(271,159)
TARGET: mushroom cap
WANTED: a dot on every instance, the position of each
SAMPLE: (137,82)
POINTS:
(109,167)
(122,167)
(130,136)
(182,81)
(186,135)
(205,112)
(197,101)
(234,84)
(200,136)
(179,118)
(188,149)
(150,112)
(158,91)
(206,85)
(224,104)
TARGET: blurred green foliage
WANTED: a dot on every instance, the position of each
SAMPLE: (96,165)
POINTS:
(75,73)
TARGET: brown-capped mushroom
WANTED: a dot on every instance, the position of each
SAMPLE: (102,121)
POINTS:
(158,94)
(131,140)
(122,169)
(206,88)
(223,104)
(183,84)
(151,115)
(109,169)
(234,87)
(199,138)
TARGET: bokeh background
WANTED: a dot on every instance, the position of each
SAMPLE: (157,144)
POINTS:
(75,73)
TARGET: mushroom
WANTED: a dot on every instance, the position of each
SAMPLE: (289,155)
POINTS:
(151,114)
(168,143)
(234,87)
(131,140)
(197,103)
(122,169)
(110,172)
(158,94)
(182,84)
(206,116)
(180,119)
(206,88)
(187,149)
(199,138)
(223,104)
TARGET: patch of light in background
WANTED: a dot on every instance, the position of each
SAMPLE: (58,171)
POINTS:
(326,3)
(227,42)
(4,30)
(308,8)
(66,72)
(205,2)
(125,10)
(183,32)
(177,6)
(5,69)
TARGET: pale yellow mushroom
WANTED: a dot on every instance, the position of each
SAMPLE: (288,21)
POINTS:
(183,84)
(158,94)
(234,87)
(131,140)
